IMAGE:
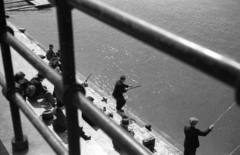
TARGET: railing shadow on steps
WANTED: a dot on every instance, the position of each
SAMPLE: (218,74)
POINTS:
(216,65)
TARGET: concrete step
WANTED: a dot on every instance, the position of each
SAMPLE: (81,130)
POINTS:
(105,142)
(90,147)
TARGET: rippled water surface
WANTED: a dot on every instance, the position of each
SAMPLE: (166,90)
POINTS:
(172,92)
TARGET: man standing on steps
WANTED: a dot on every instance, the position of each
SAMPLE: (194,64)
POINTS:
(191,142)
(119,89)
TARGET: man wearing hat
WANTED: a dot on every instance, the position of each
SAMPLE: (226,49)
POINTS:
(47,117)
(191,142)
(119,89)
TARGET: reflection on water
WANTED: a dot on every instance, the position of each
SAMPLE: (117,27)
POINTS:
(172,92)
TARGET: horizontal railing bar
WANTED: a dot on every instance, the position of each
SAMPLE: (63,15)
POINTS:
(56,145)
(121,137)
(217,65)
(130,145)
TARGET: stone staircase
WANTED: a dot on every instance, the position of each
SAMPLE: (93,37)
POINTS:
(100,143)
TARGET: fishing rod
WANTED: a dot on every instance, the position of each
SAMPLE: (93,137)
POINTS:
(87,78)
(133,87)
(85,84)
(224,113)
(234,150)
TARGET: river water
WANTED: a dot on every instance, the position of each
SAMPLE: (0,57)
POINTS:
(172,92)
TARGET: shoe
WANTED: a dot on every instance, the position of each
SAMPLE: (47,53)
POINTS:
(120,110)
(86,137)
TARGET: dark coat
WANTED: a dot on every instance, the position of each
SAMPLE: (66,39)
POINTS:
(54,62)
(191,136)
(119,89)
(60,124)
(38,85)
(50,54)
(27,89)
(86,119)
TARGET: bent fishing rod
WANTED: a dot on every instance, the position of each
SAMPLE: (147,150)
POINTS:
(224,113)
(234,150)
(87,78)
(133,87)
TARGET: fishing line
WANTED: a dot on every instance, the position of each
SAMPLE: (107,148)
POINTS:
(223,113)
(234,150)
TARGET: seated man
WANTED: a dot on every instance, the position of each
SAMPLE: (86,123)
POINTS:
(41,91)
(37,82)
(23,84)
(30,90)
(55,62)
(60,124)
(50,53)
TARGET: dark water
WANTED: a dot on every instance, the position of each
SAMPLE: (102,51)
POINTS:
(172,92)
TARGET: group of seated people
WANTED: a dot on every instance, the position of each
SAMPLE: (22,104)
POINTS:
(53,58)
(33,90)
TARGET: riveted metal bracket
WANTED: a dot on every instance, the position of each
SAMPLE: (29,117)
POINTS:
(72,89)
(8,93)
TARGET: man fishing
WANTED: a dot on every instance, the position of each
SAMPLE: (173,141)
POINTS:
(191,142)
(119,89)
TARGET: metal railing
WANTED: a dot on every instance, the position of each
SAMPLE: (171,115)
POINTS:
(18,101)
(210,62)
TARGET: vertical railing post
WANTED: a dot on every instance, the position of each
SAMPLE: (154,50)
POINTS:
(64,18)
(19,141)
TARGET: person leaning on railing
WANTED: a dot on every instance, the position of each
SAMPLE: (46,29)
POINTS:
(60,123)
